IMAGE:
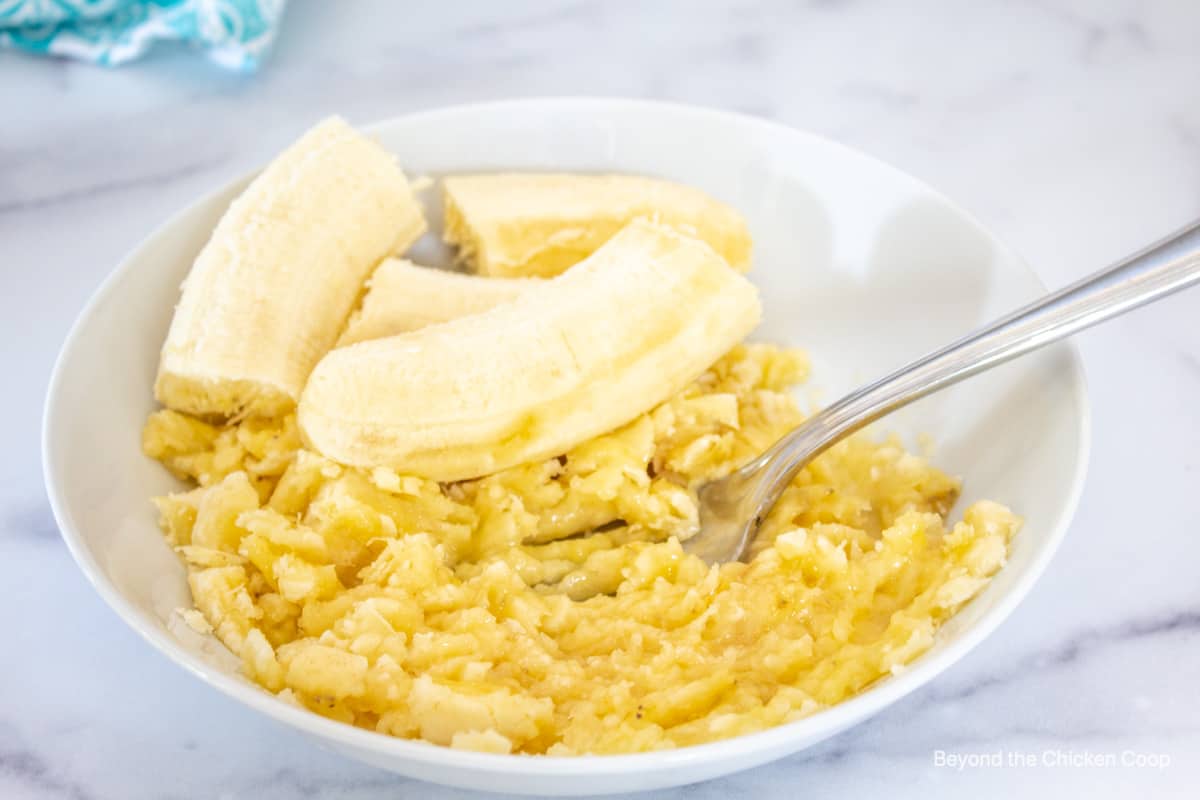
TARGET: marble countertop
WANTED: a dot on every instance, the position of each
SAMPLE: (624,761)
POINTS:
(1071,128)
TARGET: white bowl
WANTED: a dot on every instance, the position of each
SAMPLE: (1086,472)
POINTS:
(859,263)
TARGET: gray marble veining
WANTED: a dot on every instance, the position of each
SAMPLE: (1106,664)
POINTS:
(1071,128)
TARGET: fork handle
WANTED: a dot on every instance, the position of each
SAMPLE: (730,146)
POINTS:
(1154,272)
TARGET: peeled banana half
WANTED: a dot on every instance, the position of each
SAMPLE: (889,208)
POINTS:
(563,361)
(271,290)
(528,224)
(404,297)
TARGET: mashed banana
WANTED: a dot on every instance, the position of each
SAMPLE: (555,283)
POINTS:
(549,608)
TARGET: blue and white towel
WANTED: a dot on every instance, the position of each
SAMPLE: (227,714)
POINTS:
(234,33)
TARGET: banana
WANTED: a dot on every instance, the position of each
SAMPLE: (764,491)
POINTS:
(271,289)
(404,297)
(517,225)
(566,360)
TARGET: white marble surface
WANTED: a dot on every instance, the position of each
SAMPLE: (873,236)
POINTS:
(1071,128)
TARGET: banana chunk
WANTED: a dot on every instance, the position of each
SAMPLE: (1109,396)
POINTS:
(566,360)
(272,288)
(526,224)
(405,297)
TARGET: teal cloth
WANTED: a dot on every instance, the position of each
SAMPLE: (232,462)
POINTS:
(237,34)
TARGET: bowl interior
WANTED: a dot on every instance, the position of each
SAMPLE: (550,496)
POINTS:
(858,263)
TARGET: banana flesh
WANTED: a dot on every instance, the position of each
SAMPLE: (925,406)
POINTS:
(272,288)
(405,297)
(518,225)
(566,360)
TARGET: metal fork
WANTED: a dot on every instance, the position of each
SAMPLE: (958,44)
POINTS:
(732,508)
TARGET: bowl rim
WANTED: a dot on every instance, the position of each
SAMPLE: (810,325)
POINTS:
(774,740)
